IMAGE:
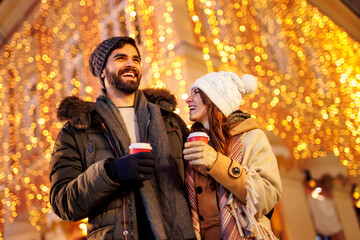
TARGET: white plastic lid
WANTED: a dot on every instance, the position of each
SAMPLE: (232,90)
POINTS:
(140,146)
(198,134)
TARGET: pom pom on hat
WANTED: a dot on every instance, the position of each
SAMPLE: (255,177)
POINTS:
(226,89)
(250,84)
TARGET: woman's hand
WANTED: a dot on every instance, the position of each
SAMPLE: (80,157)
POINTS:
(200,153)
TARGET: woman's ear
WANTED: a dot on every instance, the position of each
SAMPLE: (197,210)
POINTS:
(102,74)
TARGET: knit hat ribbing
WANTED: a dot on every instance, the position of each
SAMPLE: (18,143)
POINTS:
(101,53)
(226,89)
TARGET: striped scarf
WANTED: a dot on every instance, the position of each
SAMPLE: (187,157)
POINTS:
(233,226)
(228,223)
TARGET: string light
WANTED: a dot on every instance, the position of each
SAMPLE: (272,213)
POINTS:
(306,65)
(83,226)
(316,194)
(55,41)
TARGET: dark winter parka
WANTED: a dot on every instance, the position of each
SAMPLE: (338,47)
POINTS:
(176,128)
(80,186)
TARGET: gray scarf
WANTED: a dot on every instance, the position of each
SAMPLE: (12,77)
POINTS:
(163,196)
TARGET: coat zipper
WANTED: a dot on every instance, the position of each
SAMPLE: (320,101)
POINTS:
(125,232)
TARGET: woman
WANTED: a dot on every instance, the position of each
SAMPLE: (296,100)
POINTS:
(233,182)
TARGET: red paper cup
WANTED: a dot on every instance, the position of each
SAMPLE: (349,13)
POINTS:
(198,136)
(139,147)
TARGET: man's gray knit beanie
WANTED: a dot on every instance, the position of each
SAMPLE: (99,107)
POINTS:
(101,53)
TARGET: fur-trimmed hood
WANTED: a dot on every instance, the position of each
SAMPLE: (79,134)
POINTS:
(77,111)
(161,97)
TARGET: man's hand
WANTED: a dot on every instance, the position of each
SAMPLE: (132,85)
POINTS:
(200,153)
(135,167)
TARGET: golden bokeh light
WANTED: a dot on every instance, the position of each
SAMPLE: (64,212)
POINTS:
(307,68)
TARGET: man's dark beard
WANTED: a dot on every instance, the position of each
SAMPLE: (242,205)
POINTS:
(121,85)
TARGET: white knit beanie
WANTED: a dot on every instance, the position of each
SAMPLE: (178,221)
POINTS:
(226,89)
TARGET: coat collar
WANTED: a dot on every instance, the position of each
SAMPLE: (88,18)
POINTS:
(245,126)
(162,98)
(78,111)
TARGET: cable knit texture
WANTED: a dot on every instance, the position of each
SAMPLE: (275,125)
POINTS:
(226,89)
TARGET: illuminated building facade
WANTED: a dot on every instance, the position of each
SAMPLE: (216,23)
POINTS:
(307,66)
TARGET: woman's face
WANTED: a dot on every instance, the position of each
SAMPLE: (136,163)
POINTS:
(198,111)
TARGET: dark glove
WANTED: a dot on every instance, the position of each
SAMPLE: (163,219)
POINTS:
(132,168)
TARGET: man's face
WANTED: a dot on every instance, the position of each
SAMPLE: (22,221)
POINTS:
(123,69)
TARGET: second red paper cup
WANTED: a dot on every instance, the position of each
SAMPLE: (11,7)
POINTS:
(198,136)
(139,147)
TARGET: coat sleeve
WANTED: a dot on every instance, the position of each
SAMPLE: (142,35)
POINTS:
(76,192)
(262,174)
(258,172)
(231,175)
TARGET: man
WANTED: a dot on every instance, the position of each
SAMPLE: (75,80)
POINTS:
(138,196)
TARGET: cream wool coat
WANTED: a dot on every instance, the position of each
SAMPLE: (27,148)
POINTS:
(259,169)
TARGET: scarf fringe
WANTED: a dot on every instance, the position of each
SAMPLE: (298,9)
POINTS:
(244,215)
